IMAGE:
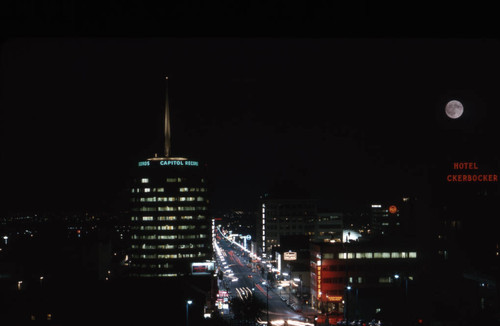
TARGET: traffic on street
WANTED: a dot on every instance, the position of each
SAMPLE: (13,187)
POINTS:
(242,275)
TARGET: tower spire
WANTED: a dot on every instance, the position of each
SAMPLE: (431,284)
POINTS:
(167,123)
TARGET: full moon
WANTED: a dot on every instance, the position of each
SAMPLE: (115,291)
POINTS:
(454,109)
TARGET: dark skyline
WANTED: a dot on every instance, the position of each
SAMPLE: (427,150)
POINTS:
(350,120)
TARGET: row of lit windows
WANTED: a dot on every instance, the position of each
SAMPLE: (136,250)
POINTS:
(172,208)
(370,255)
(359,280)
(185,189)
(167,218)
(167,256)
(169,199)
(164,265)
(162,189)
(146,180)
(168,227)
(153,275)
(342,280)
(167,237)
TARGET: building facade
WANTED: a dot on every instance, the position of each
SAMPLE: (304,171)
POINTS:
(393,217)
(284,217)
(170,229)
(360,276)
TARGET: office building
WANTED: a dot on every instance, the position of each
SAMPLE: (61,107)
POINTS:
(363,276)
(282,217)
(170,229)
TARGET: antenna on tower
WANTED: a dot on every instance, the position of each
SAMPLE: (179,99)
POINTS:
(167,123)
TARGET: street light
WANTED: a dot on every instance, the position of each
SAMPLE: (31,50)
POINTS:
(267,300)
(396,276)
(346,304)
(187,311)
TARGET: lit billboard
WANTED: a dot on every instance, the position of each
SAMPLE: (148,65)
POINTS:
(202,268)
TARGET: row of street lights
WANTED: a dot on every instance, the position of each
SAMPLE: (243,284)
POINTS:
(19,283)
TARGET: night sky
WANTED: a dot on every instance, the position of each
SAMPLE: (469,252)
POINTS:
(350,120)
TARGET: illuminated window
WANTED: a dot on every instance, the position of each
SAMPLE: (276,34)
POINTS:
(144,180)
(395,255)
(187,208)
(171,179)
(186,227)
(342,255)
(201,217)
(384,279)
(134,218)
(167,256)
(199,199)
(145,246)
(412,254)
(147,189)
(167,237)
(167,208)
(189,217)
(147,218)
(166,227)
(183,189)
(377,255)
(147,228)
(133,190)
(160,190)
(168,199)
(167,218)
(166,246)
(147,209)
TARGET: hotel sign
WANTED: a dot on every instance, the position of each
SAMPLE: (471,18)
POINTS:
(169,163)
(289,255)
